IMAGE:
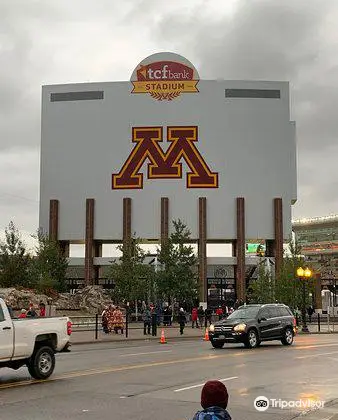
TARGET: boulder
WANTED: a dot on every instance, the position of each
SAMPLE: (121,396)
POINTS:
(90,299)
(21,298)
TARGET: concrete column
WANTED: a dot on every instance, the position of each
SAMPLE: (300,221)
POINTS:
(89,242)
(270,248)
(202,248)
(53,219)
(278,228)
(97,268)
(164,219)
(126,219)
(64,246)
(240,249)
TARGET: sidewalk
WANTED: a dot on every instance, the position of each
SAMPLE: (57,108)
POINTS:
(324,328)
(136,333)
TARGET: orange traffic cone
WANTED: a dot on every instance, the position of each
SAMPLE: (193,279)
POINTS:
(163,340)
(206,335)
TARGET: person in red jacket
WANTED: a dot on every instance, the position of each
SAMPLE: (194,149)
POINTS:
(42,309)
(219,312)
(194,318)
(23,313)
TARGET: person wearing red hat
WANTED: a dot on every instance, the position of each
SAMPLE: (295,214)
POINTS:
(214,401)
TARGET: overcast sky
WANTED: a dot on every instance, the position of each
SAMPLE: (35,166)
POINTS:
(66,41)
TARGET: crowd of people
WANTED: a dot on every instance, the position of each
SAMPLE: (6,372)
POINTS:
(113,316)
(33,311)
(167,314)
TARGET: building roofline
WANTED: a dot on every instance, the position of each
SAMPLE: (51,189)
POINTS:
(315,220)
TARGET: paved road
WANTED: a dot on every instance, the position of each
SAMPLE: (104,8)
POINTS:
(149,380)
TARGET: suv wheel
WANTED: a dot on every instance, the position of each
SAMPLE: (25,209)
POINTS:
(217,344)
(287,338)
(252,339)
(41,364)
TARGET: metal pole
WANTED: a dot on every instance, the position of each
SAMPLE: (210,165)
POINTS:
(305,327)
(96,326)
(127,311)
(318,320)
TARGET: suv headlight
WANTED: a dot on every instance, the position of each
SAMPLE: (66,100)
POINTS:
(240,328)
(212,328)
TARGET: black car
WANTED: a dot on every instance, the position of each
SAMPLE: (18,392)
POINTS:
(251,324)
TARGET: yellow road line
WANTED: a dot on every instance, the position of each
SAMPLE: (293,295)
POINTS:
(113,369)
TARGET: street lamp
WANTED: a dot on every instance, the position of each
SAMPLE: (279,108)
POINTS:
(304,274)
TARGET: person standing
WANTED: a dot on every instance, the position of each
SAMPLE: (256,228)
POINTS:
(194,318)
(200,313)
(42,309)
(166,316)
(208,316)
(310,312)
(104,320)
(23,313)
(118,323)
(146,321)
(182,320)
(31,311)
(170,315)
(219,312)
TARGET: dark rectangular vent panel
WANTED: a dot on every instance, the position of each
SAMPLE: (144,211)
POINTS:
(76,96)
(252,93)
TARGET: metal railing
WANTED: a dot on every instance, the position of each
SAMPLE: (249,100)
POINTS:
(93,323)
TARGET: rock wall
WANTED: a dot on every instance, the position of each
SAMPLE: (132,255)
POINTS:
(91,299)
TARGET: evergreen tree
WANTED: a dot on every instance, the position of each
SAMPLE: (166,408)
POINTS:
(49,267)
(132,278)
(177,277)
(14,259)
(286,288)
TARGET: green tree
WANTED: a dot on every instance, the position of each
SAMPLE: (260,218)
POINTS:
(14,259)
(132,278)
(49,266)
(177,277)
(262,290)
(286,288)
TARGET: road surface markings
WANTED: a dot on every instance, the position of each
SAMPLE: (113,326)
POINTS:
(199,385)
(316,355)
(314,346)
(113,369)
(142,354)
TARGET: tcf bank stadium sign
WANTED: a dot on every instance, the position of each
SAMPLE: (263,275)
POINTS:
(165,76)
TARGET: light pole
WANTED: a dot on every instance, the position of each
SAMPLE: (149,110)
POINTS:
(303,275)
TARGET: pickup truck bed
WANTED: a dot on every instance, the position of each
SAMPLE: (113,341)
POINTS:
(32,342)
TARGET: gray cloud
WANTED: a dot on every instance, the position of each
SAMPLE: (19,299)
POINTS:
(277,40)
(63,41)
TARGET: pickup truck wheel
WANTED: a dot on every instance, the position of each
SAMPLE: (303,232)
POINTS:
(287,338)
(252,339)
(217,344)
(42,363)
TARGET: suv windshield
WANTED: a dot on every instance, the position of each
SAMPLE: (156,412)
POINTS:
(245,313)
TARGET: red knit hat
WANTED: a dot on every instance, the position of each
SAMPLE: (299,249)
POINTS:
(214,393)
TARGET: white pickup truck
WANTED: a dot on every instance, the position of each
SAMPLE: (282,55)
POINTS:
(32,342)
